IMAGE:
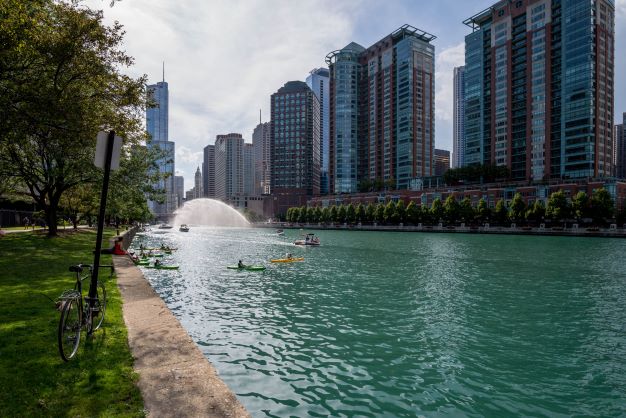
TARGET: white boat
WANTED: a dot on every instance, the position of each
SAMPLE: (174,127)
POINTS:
(280,232)
(165,226)
(184,228)
(309,239)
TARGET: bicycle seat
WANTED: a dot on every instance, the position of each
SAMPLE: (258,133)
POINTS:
(76,269)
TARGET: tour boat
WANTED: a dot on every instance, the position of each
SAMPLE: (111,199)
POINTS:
(184,228)
(309,239)
(165,226)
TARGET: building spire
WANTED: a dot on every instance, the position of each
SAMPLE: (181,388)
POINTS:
(164,71)
(259,116)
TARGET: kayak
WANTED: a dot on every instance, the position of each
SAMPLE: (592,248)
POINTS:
(141,262)
(162,267)
(146,257)
(250,268)
(287,260)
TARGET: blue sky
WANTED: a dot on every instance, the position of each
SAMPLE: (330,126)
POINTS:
(224,58)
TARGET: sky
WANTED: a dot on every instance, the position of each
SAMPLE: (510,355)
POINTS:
(225,58)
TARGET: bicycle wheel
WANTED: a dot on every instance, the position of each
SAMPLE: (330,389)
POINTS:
(99,308)
(69,329)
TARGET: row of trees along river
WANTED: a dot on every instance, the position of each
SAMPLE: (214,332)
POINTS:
(61,82)
(597,209)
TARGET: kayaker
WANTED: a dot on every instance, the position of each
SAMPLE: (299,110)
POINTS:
(289,256)
(157,263)
(240,264)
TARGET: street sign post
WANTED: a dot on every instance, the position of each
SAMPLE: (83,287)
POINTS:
(107,152)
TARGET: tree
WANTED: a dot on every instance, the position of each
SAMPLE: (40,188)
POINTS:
(483,213)
(333,214)
(411,214)
(466,211)
(436,211)
(325,217)
(400,211)
(580,205)
(451,209)
(370,213)
(557,208)
(536,212)
(389,213)
(379,213)
(302,215)
(61,83)
(518,208)
(601,205)
(310,215)
(501,212)
(350,213)
(317,214)
(341,214)
(360,213)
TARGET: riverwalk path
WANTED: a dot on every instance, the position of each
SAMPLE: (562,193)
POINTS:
(175,379)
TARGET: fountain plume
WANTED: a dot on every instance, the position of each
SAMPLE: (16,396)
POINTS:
(209,212)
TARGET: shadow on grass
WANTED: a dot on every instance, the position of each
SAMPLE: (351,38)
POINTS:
(34,381)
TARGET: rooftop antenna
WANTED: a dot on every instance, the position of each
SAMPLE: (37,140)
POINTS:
(259,116)
(164,71)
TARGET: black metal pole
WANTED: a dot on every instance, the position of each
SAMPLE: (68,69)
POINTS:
(103,202)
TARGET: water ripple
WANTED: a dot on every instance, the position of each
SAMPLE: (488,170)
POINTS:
(393,324)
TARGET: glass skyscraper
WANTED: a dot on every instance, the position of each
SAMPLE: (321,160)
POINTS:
(157,119)
(458,140)
(319,81)
(295,145)
(539,77)
(382,125)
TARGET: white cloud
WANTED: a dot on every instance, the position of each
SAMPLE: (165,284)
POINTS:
(446,60)
(620,8)
(224,58)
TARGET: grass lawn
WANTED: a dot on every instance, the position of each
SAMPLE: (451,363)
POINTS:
(34,381)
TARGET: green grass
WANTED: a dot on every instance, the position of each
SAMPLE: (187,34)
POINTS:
(34,381)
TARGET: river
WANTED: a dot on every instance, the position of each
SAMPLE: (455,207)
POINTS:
(405,324)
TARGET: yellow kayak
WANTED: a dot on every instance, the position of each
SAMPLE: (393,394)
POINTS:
(287,260)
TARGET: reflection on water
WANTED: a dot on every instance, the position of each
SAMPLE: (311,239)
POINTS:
(401,324)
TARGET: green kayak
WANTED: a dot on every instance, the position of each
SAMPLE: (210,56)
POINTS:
(162,267)
(250,268)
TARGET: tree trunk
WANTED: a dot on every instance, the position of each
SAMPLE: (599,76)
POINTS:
(51,219)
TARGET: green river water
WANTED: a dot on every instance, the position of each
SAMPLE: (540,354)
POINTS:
(405,324)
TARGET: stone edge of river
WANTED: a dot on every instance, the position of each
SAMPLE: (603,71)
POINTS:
(175,378)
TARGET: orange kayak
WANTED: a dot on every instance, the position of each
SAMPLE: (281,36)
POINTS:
(287,260)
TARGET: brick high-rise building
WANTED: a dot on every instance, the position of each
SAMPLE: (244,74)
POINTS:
(539,77)
(620,149)
(382,111)
(295,146)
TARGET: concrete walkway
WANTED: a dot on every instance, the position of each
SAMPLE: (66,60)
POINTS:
(175,379)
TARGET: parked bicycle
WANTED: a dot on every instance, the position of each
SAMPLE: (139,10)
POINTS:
(76,314)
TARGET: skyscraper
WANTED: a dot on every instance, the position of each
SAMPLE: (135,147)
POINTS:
(319,81)
(382,124)
(179,189)
(442,161)
(295,145)
(262,157)
(539,88)
(157,119)
(208,171)
(248,170)
(228,166)
(458,141)
(198,192)
(620,149)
